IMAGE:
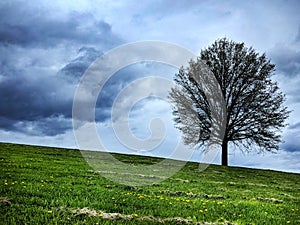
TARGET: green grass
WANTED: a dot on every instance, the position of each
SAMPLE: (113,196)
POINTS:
(41,185)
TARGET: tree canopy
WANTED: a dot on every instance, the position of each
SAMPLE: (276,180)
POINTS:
(255,111)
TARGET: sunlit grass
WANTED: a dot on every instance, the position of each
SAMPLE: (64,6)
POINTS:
(40,185)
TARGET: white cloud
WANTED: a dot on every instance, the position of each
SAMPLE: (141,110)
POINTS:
(282,161)
(65,140)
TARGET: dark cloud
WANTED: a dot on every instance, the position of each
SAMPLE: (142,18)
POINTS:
(38,28)
(294,126)
(50,126)
(287,60)
(297,39)
(124,77)
(27,102)
(22,98)
(291,141)
(42,105)
(6,123)
(112,88)
(75,69)
(290,147)
(35,98)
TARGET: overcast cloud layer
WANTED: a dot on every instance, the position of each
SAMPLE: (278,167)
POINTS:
(46,46)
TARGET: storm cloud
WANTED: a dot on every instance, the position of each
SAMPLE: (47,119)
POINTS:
(21,23)
(43,56)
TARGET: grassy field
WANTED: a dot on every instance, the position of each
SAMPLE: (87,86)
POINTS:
(40,185)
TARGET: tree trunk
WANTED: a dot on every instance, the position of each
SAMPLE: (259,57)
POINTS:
(225,153)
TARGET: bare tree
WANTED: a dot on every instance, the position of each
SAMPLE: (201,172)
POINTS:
(253,103)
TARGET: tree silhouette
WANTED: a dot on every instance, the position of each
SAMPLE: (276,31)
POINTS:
(253,103)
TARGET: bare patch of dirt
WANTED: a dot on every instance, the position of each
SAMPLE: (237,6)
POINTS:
(214,196)
(118,216)
(179,193)
(5,201)
(257,185)
(85,211)
(274,200)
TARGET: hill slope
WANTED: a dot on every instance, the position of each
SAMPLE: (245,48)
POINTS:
(41,185)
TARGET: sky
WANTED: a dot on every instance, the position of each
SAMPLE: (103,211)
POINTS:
(47,46)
